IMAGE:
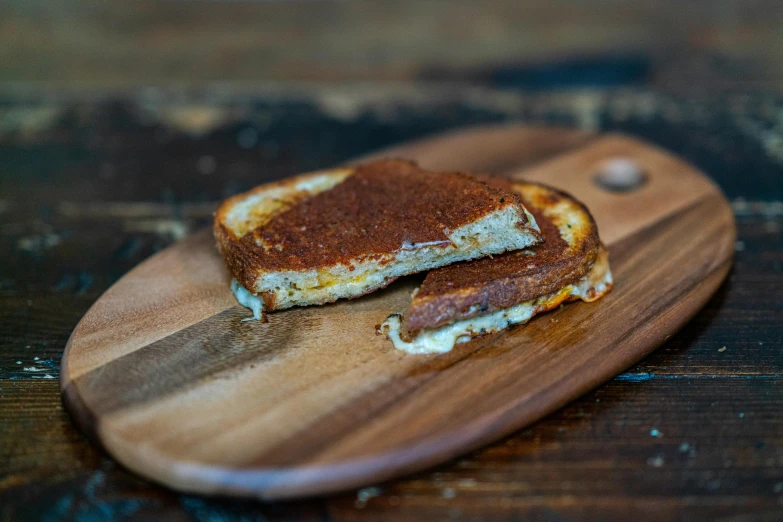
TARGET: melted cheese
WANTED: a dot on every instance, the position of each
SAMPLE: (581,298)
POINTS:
(591,287)
(248,300)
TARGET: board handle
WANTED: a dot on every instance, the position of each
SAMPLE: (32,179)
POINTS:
(626,185)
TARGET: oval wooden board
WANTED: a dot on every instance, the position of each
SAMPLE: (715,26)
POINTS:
(162,372)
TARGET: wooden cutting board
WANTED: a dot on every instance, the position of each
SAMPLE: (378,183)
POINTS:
(164,375)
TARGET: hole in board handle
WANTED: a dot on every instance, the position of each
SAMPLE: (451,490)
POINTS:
(620,175)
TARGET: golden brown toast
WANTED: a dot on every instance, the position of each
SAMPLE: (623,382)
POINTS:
(345,232)
(459,301)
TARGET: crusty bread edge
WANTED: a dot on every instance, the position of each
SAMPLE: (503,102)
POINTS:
(226,239)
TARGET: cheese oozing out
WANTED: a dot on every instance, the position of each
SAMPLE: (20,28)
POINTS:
(248,300)
(592,286)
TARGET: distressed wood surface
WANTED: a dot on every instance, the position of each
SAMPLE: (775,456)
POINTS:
(90,189)
(526,44)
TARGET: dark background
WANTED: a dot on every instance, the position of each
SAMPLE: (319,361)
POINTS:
(122,125)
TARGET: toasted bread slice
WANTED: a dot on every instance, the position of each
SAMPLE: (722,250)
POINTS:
(463,300)
(343,233)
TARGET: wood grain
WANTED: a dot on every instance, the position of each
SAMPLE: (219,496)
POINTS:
(712,45)
(313,402)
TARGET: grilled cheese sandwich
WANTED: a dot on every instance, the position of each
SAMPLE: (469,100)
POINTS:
(457,303)
(346,232)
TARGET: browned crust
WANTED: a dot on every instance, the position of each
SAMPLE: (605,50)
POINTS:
(222,212)
(238,261)
(373,213)
(473,288)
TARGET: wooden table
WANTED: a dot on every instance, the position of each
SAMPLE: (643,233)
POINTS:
(90,186)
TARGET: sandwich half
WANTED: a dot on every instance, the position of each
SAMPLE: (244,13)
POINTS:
(459,302)
(346,232)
